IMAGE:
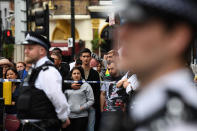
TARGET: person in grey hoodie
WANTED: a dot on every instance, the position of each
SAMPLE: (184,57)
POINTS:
(80,100)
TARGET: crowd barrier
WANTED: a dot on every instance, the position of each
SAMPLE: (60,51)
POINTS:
(7,84)
(7,87)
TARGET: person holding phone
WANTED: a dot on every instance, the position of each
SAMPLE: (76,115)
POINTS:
(80,100)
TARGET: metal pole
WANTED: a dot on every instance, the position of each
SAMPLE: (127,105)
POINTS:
(1,103)
(47,22)
(1,35)
(195,50)
(20,28)
(72,5)
(20,20)
(27,14)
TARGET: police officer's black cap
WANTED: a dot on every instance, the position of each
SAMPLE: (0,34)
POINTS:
(34,38)
(136,10)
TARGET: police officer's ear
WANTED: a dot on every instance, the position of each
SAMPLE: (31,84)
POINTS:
(179,38)
(80,57)
(42,50)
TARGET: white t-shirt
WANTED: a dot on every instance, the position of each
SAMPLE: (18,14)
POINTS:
(133,82)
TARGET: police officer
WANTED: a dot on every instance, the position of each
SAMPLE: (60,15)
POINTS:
(155,37)
(41,104)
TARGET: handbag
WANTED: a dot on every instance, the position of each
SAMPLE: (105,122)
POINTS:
(12,123)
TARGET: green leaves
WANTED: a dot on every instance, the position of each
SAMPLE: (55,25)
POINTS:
(97,41)
(8,50)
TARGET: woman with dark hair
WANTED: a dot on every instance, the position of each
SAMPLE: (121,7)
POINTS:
(5,64)
(80,100)
(11,122)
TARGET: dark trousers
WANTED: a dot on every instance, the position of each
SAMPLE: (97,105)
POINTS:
(77,124)
(111,121)
(98,120)
(37,127)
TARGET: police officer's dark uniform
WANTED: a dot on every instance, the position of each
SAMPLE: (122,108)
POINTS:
(41,103)
(170,102)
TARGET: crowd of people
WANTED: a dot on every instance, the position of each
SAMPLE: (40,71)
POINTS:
(107,97)
(87,101)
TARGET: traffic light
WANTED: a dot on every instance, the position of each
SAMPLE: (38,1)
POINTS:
(42,22)
(8,33)
(7,37)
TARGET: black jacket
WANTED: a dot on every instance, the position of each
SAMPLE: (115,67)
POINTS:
(64,70)
(94,76)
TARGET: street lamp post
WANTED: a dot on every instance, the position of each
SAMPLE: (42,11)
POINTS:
(72,7)
(1,43)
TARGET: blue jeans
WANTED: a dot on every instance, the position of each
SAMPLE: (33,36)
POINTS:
(91,119)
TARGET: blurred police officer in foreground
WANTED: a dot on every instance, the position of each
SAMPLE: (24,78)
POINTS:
(155,38)
(41,104)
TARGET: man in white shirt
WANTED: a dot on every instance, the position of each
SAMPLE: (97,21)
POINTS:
(129,82)
(42,104)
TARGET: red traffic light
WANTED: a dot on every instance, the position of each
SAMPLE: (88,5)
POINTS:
(8,33)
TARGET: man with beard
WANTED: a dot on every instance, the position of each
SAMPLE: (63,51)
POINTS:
(110,99)
(155,39)
(41,103)
(112,56)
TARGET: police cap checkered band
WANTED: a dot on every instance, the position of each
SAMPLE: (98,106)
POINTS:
(32,38)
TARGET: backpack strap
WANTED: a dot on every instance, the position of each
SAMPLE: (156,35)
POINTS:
(35,72)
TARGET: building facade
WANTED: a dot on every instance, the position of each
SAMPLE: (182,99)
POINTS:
(5,11)
(90,17)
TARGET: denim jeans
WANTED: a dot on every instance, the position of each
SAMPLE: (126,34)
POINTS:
(91,119)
